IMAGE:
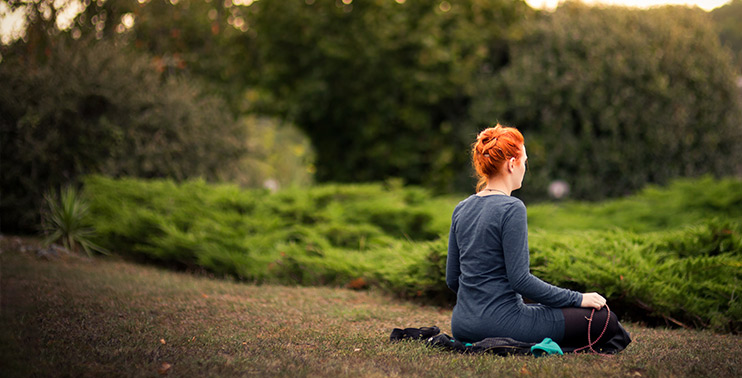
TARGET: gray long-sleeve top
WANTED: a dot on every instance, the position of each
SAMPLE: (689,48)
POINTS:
(488,268)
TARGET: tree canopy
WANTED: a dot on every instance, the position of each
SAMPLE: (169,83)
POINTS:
(727,19)
(99,110)
(381,88)
(609,98)
(614,98)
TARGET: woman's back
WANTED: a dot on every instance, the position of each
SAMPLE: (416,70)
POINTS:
(488,268)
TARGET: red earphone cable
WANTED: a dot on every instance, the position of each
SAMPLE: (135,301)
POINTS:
(590,343)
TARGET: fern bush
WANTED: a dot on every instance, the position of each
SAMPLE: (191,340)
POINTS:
(671,254)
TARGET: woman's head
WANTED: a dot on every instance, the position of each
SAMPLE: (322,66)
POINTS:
(496,146)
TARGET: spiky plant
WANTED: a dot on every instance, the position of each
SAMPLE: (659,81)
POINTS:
(65,219)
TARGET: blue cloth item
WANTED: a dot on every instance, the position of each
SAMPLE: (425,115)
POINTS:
(546,347)
(488,269)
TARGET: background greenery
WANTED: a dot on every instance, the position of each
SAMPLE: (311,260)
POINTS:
(381,88)
(655,100)
(100,110)
(726,19)
(163,99)
(667,253)
(610,99)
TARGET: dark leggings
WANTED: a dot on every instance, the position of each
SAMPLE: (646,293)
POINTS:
(576,324)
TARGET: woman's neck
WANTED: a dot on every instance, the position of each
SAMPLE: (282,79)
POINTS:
(497,186)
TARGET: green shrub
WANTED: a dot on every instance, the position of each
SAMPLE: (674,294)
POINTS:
(671,253)
(648,274)
(92,108)
(282,234)
(417,271)
(686,276)
(65,219)
(682,202)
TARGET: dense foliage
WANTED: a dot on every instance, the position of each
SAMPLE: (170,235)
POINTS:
(643,252)
(96,109)
(381,88)
(611,99)
(682,202)
(729,27)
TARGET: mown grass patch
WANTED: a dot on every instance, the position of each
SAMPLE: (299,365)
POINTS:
(107,317)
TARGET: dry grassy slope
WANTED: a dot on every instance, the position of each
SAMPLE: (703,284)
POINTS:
(75,316)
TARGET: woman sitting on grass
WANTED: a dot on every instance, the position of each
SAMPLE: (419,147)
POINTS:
(488,264)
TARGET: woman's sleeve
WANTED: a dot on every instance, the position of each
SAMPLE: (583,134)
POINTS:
(453,269)
(517,263)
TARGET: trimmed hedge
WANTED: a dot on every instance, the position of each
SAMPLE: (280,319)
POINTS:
(672,253)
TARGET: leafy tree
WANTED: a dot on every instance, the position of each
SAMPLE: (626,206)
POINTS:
(91,108)
(196,38)
(611,99)
(381,88)
(191,37)
(727,19)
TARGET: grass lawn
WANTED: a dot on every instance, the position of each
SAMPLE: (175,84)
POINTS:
(74,316)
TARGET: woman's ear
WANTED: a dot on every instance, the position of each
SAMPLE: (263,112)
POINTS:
(511,164)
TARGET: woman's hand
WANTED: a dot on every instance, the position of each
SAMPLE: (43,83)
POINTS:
(593,300)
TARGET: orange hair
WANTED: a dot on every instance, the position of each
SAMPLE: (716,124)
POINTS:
(494,146)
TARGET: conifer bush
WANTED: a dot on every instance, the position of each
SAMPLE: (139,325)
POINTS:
(681,202)
(667,254)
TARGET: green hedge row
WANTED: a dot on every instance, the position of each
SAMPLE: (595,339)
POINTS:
(680,203)
(689,276)
(664,254)
(261,236)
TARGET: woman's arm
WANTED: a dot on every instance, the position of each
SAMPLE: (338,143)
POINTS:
(515,249)
(453,268)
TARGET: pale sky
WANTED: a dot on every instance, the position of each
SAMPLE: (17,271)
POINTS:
(11,23)
(703,4)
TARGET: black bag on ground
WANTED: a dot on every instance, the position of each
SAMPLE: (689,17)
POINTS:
(501,346)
